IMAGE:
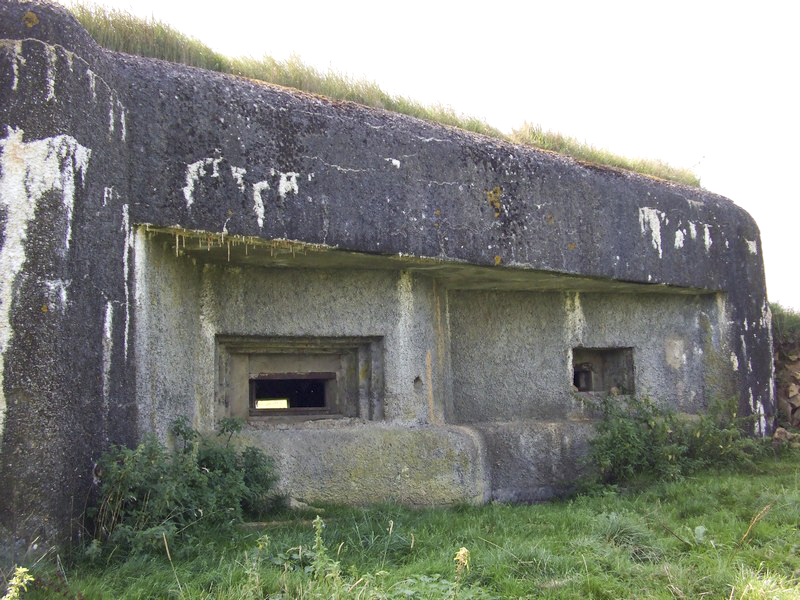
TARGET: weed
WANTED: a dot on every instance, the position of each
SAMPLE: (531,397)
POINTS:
(636,438)
(149,495)
(324,577)
(375,533)
(626,532)
(19,583)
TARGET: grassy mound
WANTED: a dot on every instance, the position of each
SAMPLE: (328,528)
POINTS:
(123,32)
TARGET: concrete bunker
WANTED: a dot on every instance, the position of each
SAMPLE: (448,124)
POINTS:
(400,310)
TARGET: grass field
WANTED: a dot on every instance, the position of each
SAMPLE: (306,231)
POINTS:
(714,535)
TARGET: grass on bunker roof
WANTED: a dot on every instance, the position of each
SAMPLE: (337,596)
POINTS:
(123,32)
(707,536)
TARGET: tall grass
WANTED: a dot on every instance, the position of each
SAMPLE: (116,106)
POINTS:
(708,536)
(534,135)
(123,32)
(785,324)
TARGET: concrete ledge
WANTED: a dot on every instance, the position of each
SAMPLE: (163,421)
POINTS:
(534,460)
(368,462)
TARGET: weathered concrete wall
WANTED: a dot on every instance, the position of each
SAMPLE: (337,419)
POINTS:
(497,363)
(369,463)
(65,378)
(512,351)
(182,305)
(405,228)
(513,367)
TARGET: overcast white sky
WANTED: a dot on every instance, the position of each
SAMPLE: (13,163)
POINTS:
(709,85)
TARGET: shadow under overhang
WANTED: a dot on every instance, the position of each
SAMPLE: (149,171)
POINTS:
(235,250)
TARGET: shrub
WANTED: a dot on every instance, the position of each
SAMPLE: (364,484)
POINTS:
(785,324)
(635,437)
(259,482)
(150,495)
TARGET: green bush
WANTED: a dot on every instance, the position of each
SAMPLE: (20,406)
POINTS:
(150,496)
(785,323)
(636,438)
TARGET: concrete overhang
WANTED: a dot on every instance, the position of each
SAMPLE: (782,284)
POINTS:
(239,251)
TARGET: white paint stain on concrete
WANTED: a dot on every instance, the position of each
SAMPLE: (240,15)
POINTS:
(123,127)
(57,295)
(111,114)
(692,230)
(575,320)
(766,319)
(394,161)
(734,362)
(766,323)
(108,345)
(194,172)
(650,221)
(17,60)
(752,246)
(28,170)
(51,71)
(92,83)
(288,183)
(215,167)
(258,201)
(758,412)
(108,195)
(707,237)
(50,163)
(679,237)
(52,53)
(74,157)
(127,248)
(238,174)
